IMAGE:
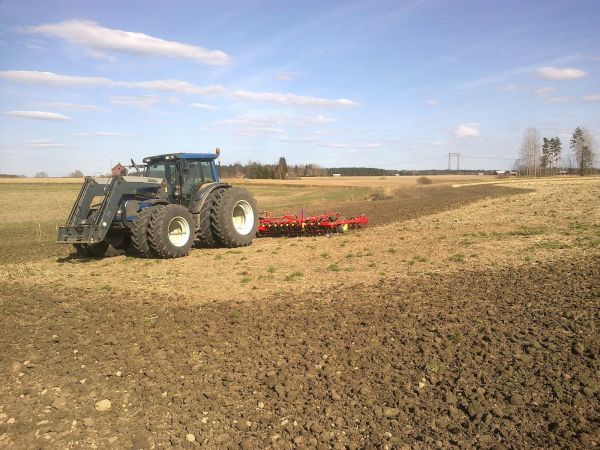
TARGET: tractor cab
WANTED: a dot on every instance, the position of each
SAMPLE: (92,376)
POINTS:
(182,174)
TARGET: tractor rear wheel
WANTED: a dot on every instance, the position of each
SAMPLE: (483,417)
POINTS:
(234,218)
(139,231)
(205,235)
(171,232)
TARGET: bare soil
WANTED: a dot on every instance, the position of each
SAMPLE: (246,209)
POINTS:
(490,359)
(412,202)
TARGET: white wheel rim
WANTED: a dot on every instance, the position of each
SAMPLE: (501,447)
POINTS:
(179,231)
(243,217)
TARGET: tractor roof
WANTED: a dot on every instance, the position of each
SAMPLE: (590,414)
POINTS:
(176,156)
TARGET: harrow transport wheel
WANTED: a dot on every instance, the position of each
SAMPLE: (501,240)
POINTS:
(139,231)
(171,232)
(234,218)
(205,235)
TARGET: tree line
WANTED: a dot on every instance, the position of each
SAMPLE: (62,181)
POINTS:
(545,156)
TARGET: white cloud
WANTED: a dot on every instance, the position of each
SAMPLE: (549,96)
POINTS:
(287,76)
(296,140)
(38,115)
(135,101)
(204,106)
(53,79)
(545,90)
(56,80)
(295,121)
(256,131)
(182,87)
(44,143)
(353,146)
(432,102)
(467,130)
(103,134)
(509,88)
(292,99)
(72,106)
(562,99)
(560,73)
(97,40)
(592,98)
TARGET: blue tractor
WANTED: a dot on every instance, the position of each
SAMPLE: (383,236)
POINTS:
(174,201)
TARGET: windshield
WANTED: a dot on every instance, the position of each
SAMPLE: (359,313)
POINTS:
(163,170)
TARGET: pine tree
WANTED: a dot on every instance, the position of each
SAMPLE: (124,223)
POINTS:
(282,168)
(582,149)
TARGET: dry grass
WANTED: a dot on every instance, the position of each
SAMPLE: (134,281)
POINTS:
(558,218)
(370,182)
(63,180)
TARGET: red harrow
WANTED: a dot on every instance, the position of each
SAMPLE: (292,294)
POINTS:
(307,226)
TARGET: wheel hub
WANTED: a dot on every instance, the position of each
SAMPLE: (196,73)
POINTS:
(243,217)
(179,231)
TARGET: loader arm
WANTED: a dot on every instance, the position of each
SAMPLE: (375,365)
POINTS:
(87,225)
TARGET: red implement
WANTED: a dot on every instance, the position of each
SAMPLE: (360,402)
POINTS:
(307,226)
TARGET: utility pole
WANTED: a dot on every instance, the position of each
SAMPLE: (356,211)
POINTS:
(454,155)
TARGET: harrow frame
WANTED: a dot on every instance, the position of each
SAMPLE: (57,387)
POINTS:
(301,225)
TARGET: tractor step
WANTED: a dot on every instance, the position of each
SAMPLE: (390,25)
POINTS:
(301,225)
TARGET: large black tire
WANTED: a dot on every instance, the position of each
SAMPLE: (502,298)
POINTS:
(139,231)
(80,251)
(102,249)
(205,235)
(171,232)
(235,218)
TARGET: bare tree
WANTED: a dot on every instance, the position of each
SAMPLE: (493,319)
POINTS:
(530,151)
(76,174)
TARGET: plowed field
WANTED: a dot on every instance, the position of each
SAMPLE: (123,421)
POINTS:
(464,318)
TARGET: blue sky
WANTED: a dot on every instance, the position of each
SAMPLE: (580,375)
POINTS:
(392,84)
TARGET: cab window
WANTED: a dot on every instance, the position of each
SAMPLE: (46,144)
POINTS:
(192,177)
(207,172)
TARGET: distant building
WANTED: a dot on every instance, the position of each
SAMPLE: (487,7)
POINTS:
(119,170)
(336,174)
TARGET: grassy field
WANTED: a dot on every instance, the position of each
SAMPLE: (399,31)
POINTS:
(511,231)
(42,207)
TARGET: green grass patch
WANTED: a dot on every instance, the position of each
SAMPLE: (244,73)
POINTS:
(292,276)
(552,245)
(458,257)
(528,231)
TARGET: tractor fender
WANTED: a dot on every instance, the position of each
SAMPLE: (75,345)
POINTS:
(203,194)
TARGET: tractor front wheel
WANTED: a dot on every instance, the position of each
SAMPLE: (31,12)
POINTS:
(171,232)
(139,231)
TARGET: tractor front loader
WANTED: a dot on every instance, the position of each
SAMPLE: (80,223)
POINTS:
(178,201)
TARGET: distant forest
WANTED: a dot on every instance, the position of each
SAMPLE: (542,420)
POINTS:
(282,170)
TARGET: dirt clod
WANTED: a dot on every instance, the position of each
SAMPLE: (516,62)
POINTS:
(103,405)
